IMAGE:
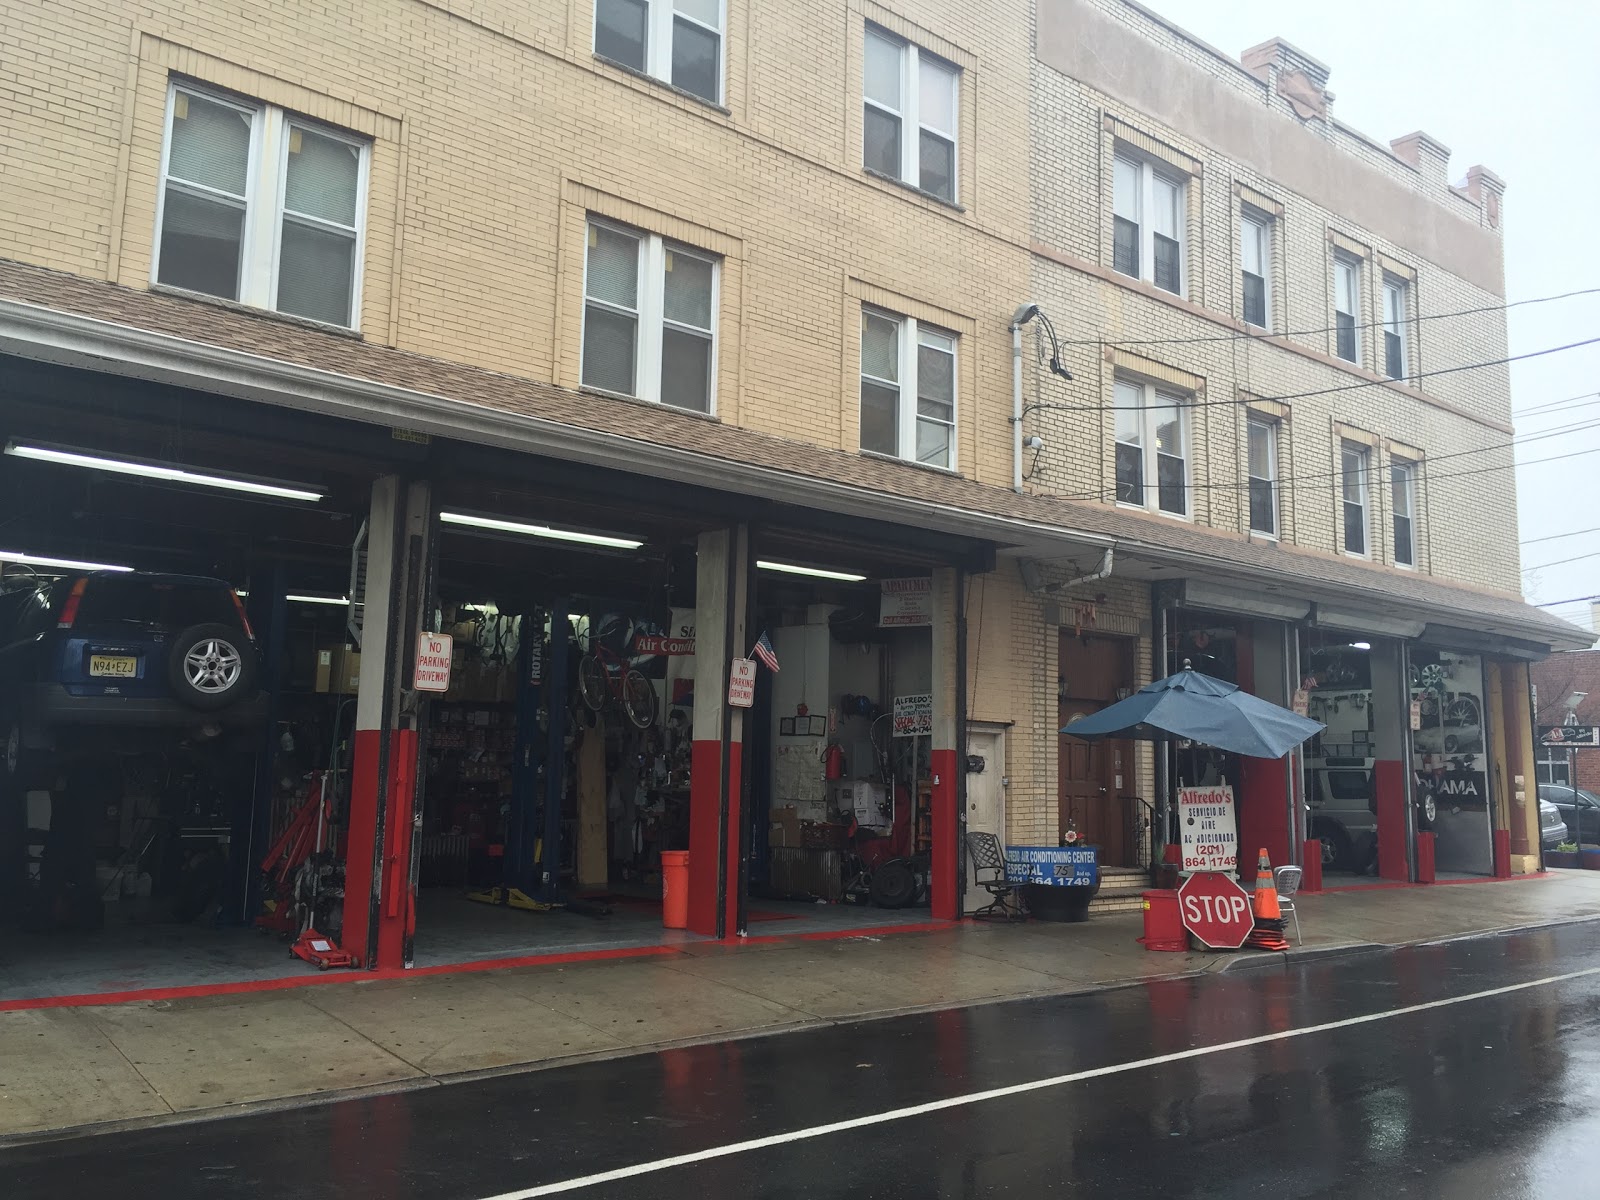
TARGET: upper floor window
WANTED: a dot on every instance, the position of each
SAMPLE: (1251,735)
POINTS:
(1395,295)
(260,207)
(909,127)
(649,318)
(1263,473)
(908,389)
(679,41)
(1152,448)
(1403,502)
(1255,258)
(1148,217)
(1346,303)
(1353,460)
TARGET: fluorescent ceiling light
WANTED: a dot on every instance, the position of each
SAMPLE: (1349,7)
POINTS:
(488,609)
(123,466)
(340,600)
(1361,645)
(818,572)
(539,531)
(66,564)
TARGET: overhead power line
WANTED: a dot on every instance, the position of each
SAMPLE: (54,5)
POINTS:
(1561,562)
(1347,387)
(1555,537)
(1263,334)
(1559,603)
(1583,401)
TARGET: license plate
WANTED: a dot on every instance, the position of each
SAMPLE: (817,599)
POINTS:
(114,666)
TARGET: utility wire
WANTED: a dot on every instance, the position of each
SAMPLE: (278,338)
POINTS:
(1552,537)
(1561,562)
(1289,482)
(1583,401)
(1263,334)
(1559,603)
(1347,387)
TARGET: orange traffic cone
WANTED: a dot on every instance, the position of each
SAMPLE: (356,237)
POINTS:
(1268,931)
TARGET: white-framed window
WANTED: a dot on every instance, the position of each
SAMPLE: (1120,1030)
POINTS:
(1395,297)
(1255,263)
(1346,304)
(1354,459)
(1262,469)
(679,41)
(1553,766)
(1152,430)
(260,206)
(649,318)
(910,120)
(902,358)
(1403,503)
(1148,211)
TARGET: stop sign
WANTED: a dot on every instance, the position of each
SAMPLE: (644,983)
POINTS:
(1216,910)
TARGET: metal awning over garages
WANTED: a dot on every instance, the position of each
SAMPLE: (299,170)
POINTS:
(55,317)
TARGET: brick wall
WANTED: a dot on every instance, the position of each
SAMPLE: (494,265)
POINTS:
(1556,678)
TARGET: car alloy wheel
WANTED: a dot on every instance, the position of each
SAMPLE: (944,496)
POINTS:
(1430,810)
(212,666)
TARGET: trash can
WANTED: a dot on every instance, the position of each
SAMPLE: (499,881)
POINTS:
(1163,926)
(675,889)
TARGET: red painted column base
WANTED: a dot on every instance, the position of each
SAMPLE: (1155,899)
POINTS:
(705,803)
(1391,819)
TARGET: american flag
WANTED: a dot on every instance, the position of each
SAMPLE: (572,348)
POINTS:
(764,651)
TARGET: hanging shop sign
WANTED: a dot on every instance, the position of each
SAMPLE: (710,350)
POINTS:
(913,715)
(1209,829)
(432,673)
(1569,735)
(742,683)
(664,644)
(1053,866)
(905,603)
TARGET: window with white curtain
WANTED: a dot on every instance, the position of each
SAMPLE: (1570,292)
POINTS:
(1255,260)
(908,389)
(911,100)
(649,318)
(1148,214)
(1395,300)
(1262,468)
(260,206)
(1354,459)
(1403,503)
(1152,435)
(1346,303)
(679,41)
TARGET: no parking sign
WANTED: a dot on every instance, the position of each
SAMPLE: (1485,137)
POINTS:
(432,672)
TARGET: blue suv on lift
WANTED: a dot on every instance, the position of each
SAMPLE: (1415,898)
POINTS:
(94,667)
(105,661)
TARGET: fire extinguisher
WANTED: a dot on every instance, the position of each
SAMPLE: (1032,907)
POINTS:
(833,762)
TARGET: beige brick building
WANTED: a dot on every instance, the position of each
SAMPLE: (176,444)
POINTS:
(421,208)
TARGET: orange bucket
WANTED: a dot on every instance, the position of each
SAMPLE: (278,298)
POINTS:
(675,889)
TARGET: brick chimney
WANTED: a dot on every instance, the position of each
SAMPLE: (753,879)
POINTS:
(1487,190)
(1429,155)
(1294,80)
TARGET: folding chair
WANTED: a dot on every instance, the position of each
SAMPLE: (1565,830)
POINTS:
(989,873)
(1287,880)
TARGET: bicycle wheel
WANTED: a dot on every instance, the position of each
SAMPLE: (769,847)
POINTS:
(639,700)
(592,682)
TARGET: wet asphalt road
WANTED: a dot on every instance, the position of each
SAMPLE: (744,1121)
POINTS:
(1496,1096)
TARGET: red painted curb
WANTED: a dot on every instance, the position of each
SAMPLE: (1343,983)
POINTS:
(1384,887)
(248,986)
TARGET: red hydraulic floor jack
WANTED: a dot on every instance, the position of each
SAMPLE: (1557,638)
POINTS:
(295,866)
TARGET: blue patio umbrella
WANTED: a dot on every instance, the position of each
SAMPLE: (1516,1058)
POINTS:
(1201,709)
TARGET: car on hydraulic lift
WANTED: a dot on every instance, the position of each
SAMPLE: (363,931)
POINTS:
(106,664)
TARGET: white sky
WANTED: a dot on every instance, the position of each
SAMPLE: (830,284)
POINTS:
(1513,87)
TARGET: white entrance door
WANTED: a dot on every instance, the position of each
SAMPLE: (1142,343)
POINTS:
(986,799)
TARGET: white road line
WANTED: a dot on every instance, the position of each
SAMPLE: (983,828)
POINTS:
(1015,1089)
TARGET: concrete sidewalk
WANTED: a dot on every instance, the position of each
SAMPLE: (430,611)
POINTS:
(73,1067)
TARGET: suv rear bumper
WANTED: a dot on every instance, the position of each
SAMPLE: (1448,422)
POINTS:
(55,706)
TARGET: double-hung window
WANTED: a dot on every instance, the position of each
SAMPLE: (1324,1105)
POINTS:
(1394,327)
(908,389)
(1255,260)
(911,100)
(1152,430)
(679,41)
(1147,223)
(649,318)
(261,207)
(1403,503)
(1353,462)
(1346,304)
(1262,453)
